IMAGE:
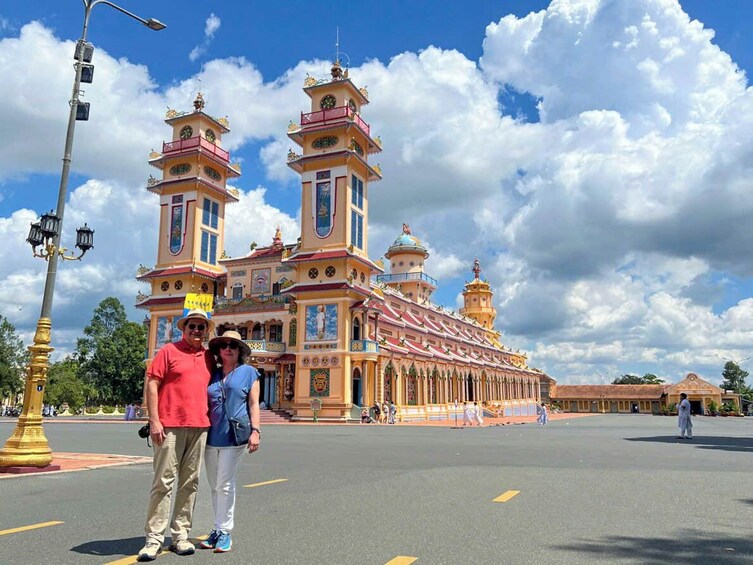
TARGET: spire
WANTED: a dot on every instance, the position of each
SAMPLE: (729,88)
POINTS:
(476,268)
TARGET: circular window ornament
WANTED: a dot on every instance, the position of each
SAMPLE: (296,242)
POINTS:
(333,361)
(324,142)
(180,169)
(354,274)
(165,286)
(313,272)
(204,287)
(330,271)
(210,136)
(186,132)
(178,285)
(363,278)
(212,173)
(328,102)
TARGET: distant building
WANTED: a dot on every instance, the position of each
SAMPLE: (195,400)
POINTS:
(641,399)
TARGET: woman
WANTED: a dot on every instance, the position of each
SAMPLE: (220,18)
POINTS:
(233,397)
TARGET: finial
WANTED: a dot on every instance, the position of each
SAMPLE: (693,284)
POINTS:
(198,104)
(277,239)
(476,268)
(406,229)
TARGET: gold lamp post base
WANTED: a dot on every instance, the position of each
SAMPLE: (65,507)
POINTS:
(27,446)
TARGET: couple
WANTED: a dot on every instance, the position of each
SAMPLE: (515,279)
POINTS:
(203,404)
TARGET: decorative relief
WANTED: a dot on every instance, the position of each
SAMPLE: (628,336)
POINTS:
(224,122)
(210,136)
(364,92)
(319,382)
(293,127)
(165,286)
(334,361)
(305,361)
(314,361)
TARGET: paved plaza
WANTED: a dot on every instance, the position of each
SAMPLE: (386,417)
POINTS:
(600,489)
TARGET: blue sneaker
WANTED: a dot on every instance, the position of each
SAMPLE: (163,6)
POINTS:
(224,543)
(211,540)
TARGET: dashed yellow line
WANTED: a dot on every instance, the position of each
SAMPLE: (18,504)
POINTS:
(505,496)
(265,483)
(401,560)
(31,527)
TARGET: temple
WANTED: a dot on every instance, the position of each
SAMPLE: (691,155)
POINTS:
(330,329)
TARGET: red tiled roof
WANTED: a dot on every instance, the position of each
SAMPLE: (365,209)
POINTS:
(154,273)
(598,392)
(393,345)
(317,255)
(439,354)
(177,300)
(417,349)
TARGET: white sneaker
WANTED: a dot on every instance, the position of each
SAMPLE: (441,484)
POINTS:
(150,551)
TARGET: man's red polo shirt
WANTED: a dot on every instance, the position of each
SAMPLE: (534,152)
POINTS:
(184,373)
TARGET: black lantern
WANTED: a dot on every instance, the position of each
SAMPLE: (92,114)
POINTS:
(49,225)
(35,238)
(84,238)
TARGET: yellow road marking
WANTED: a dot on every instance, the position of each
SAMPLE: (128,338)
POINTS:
(265,483)
(27,528)
(401,560)
(505,496)
(131,559)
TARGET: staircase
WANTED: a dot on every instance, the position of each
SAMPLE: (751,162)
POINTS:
(273,417)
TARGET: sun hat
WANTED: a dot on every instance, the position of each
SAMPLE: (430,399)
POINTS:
(230,335)
(199,314)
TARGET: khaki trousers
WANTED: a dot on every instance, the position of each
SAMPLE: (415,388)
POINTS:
(179,457)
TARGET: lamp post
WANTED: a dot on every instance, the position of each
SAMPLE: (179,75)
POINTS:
(27,446)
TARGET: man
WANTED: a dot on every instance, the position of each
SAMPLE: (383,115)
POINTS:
(683,420)
(393,411)
(176,397)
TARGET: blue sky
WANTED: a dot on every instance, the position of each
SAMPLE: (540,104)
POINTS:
(611,218)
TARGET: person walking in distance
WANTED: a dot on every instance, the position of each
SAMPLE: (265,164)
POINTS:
(478,415)
(683,418)
(467,415)
(234,416)
(543,418)
(176,397)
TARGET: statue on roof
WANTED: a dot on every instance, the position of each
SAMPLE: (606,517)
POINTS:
(277,239)
(406,229)
(337,71)
(198,104)
(476,268)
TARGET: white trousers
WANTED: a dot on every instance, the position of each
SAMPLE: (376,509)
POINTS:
(222,468)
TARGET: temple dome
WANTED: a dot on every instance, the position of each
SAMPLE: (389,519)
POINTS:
(406,243)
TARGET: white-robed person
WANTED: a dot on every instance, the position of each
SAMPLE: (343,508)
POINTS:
(478,414)
(234,417)
(467,415)
(683,418)
(543,418)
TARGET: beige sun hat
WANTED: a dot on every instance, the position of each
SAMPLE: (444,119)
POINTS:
(230,335)
(196,314)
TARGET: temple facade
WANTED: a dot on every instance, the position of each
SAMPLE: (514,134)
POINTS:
(330,329)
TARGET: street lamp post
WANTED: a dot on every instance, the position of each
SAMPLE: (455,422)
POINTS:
(27,446)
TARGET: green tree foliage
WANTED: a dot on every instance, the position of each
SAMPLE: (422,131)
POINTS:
(64,385)
(734,379)
(647,379)
(13,359)
(111,355)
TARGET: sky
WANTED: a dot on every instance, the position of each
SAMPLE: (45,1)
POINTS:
(595,155)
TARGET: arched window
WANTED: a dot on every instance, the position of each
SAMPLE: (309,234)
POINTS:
(356,329)
(257,332)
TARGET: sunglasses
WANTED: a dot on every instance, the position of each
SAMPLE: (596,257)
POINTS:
(230,344)
(199,327)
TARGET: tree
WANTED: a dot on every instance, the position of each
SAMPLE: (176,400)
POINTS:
(64,385)
(734,379)
(111,356)
(13,359)
(647,379)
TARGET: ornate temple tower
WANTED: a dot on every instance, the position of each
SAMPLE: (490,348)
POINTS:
(332,262)
(407,255)
(477,298)
(193,194)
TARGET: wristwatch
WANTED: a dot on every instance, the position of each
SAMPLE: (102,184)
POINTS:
(257,430)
